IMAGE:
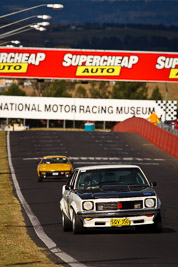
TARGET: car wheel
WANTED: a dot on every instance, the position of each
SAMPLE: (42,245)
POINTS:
(40,179)
(77,225)
(157,226)
(66,223)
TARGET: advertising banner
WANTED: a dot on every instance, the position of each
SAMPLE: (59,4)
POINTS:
(83,109)
(88,64)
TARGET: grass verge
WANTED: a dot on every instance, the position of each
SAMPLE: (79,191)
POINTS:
(16,247)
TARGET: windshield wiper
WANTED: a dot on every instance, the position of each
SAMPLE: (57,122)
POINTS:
(139,185)
(88,187)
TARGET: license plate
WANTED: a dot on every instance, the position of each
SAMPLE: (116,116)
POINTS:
(55,173)
(120,222)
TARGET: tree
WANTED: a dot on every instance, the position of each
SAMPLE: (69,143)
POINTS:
(156,95)
(57,89)
(99,90)
(81,92)
(129,90)
(39,86)
(2,91)
(14,90)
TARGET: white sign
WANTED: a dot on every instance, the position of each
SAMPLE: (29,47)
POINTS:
(82,108)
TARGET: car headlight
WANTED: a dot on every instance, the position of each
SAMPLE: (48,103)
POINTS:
(150,202)
(88,205)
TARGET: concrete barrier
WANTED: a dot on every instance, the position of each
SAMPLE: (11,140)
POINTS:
(159,137)
(16,127)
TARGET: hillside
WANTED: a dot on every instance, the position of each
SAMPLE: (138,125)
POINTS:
(102,11)
(172,89)
(105,37)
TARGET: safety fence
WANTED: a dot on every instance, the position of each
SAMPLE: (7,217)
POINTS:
(169,127)
(156,135)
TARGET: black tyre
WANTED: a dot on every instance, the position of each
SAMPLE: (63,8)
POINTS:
(157,226)
(66,223)
(40,180)
(77,225)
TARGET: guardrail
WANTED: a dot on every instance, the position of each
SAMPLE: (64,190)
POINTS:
(156,135)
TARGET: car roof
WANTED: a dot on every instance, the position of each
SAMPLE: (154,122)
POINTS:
(54,157)
(100,167)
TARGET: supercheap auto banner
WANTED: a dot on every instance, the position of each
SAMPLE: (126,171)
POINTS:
(84,109)
(88,64)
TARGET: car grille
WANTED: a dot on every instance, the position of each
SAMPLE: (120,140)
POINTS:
(51,173)
(55,174)
(119,205)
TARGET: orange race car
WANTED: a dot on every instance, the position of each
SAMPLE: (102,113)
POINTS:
(54,167)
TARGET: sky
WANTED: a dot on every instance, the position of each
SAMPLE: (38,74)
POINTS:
(100,11)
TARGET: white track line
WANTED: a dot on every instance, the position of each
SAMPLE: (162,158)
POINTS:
(104,158)
(34,220)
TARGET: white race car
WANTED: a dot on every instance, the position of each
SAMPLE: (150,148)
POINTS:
(110,196)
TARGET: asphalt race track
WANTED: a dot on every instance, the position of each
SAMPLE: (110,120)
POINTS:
(115,247)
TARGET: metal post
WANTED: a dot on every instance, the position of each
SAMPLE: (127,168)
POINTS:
(166,99)
(73,124)
(104,125)
(64,124)
(47,125)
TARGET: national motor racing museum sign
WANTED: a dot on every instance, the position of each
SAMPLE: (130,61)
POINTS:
(88,64)
(82,109)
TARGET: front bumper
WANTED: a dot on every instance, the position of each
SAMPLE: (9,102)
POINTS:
(55,174)
(103,219)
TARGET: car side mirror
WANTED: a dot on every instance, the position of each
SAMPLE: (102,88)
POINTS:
(38,162)
(153,184)
(68,187)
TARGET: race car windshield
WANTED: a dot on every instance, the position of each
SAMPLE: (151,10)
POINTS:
(54,160)
(120,176)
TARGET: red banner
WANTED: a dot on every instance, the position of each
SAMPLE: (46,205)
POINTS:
(88,64)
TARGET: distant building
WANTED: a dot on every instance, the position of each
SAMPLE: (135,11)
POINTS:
(7,82)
